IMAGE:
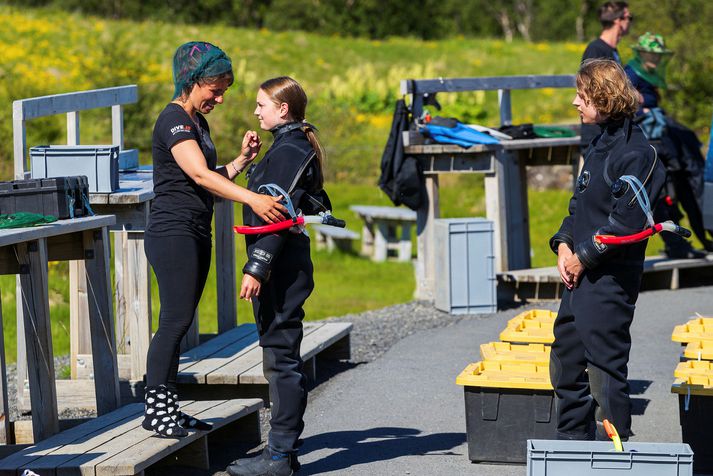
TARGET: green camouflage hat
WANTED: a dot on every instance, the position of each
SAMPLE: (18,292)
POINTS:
(651,43)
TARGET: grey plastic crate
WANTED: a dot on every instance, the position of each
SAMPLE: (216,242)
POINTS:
(598,458)
(128,159)
(465,266)
(99,163)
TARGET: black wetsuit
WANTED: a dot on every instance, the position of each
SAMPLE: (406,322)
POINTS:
(589,357)
(178,239)
(282,263)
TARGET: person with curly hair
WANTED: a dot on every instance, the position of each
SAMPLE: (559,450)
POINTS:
(588,363)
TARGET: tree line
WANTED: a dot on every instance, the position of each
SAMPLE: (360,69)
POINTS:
(532,20)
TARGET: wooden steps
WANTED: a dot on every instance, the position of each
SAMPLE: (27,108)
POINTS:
(235,357)
(115,444)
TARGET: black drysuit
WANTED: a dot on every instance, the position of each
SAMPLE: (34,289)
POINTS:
(281,261)
(588,365)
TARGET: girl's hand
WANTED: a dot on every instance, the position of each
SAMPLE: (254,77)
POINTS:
(249,288)
(574,267)
(249,149)
(267,207)
(563,254)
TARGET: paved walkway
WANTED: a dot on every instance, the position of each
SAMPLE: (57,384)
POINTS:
(403,414)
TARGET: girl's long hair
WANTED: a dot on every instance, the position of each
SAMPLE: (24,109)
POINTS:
(286,90)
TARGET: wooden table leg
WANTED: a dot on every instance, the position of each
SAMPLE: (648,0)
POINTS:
(225,270)
(381,240)
(367,237)
(5,437)
(32,258)
(79,338)
(137,296)
(425,265)
(101,320)
(405,242)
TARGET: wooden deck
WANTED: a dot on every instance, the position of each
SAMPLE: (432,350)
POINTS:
(234,357)
(116,444)
(542,284)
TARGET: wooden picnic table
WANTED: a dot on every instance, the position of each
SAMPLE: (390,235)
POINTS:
(504,166)
(26,253)
(381,231)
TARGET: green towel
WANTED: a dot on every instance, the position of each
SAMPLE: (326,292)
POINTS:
(553,131)
(23,219)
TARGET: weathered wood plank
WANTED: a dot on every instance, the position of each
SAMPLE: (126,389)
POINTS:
(25,109)
(201,372)
(312,344)
(251,362)
(101,320)
(215,345)
(225,270)
(38,337)
(137,457)
(5,436)
(26,457)
(386,213)
(18,235)
(137,298)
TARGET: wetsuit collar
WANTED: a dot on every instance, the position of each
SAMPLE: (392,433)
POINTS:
(283,128)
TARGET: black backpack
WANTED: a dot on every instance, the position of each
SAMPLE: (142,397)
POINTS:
(401,177)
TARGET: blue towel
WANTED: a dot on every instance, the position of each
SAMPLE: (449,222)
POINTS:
(461,135)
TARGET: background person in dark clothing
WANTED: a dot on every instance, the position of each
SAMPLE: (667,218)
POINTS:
(278,276)
(616,20)
(178,235)
(588,364)
(677,145)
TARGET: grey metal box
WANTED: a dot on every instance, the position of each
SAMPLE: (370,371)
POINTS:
(99,163)
(465,266)
(598,458)
(708,205)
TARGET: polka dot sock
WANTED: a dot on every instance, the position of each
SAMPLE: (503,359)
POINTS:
(158,413)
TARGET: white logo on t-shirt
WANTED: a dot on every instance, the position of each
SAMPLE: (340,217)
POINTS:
(181,128)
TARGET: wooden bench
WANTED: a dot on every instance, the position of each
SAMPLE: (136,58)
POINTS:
(235,357)
(330,237)
(544,284)
(380,232)
(116,444)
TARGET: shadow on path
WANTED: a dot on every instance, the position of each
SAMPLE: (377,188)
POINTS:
(375,444)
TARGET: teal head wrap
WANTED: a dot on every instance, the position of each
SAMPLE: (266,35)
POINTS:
(197,60)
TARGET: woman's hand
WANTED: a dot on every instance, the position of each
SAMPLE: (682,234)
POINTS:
(249,288)
(267,207)
(563,254)
(249,149)
(574,268)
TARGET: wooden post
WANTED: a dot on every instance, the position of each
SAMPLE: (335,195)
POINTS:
(137,300)
(79,335)
(5,436)
(123,335)
(426,265)
(225,265)
(32,258)
(101,321)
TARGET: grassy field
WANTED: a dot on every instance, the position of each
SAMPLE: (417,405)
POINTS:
(352,84)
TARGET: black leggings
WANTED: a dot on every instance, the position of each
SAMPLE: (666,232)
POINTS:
(181,265)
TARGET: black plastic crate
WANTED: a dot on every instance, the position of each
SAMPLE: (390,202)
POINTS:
(62,197)
(499,421)
(696,424)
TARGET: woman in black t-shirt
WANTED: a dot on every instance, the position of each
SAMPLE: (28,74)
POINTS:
(178,236)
